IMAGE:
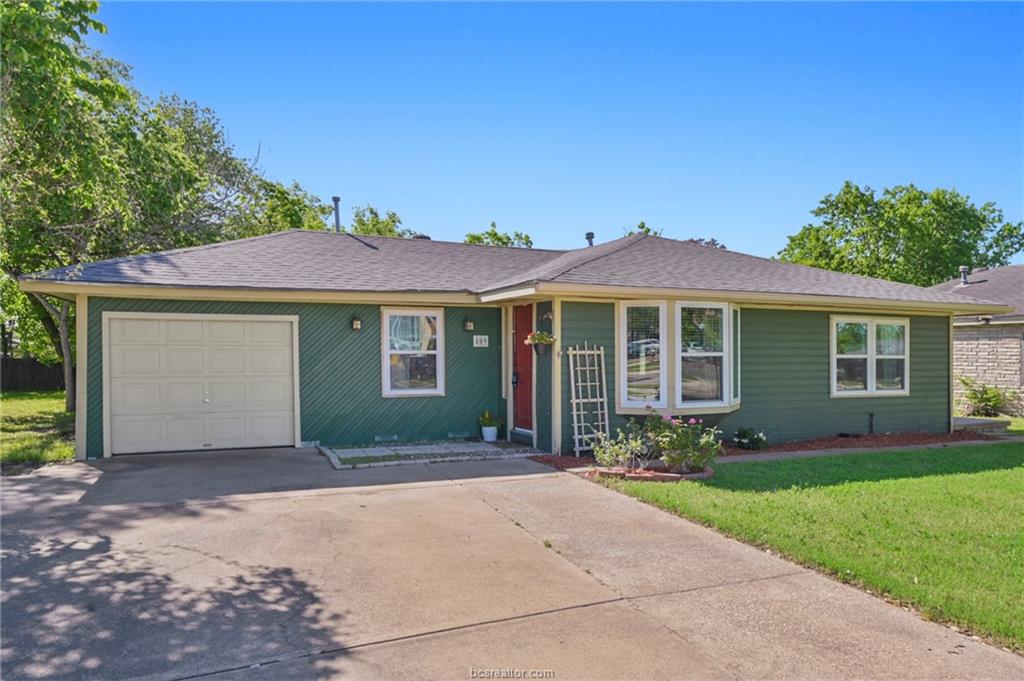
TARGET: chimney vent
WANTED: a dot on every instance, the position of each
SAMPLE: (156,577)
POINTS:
(589,236)
(964,271)
(337,213)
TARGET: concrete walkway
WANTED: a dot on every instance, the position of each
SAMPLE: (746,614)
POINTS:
(418,572)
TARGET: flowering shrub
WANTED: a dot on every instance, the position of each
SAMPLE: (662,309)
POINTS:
(627,449)
(539,338)
(748,438)
(687,446)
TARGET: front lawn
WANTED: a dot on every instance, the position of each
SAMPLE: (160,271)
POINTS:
(941,529)
(34,428)
(1016,426)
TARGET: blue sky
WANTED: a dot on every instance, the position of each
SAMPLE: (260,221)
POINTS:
(724,120)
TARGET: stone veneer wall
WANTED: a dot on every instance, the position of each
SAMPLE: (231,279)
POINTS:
(993,355)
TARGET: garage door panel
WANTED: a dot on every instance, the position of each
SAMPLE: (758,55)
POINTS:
(273,428)
(200,384)
(182,331)
(135,331)
(227,395)
(229,430)
(270,360)
(183,432)
(184,395)
(183,360)
(225,332)
(268,395)
(133,434)
(226,360)
(130,360)
(137,396)
(270,332)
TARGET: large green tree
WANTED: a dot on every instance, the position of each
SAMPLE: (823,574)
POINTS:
(904,234)
(492,237)
(90,169)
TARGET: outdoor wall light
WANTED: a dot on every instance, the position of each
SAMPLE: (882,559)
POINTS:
(357,323)
(469,325)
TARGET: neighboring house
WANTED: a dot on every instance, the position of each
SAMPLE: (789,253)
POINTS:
(317,336)
(989,348)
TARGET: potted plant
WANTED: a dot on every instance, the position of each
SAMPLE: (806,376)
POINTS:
(541,341)
(489,427)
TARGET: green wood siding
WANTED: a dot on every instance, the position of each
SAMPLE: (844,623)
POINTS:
(340,372)
(785,376)
(785,380)
(542,386)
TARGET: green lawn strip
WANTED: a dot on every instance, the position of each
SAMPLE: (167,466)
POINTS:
(1016,426)
(34,428)
(940,529)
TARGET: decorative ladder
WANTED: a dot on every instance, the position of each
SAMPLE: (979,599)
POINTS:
(588,397)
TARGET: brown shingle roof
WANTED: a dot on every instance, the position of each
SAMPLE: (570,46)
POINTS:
(1001,284)
(326,261)
(655,262)
(316,261)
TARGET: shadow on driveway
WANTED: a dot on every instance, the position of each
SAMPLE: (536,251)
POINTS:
(78,605)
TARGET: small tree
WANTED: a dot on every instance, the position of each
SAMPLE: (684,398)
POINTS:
(368,221)
(492,237)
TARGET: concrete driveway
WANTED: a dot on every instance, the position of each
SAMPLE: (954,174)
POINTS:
(271,565)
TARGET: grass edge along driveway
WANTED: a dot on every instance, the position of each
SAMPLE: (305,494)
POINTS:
(34,428)
(941,530)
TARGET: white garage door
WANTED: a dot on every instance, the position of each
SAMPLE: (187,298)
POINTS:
(199,382)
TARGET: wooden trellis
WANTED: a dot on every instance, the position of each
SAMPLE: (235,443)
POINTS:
(588,396)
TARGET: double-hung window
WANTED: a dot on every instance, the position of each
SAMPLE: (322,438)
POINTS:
(704,353)
(870,356)
(412,352)
(642,354)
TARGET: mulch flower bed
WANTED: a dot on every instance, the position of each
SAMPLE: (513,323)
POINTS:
(874,440)
(653,472)
(564,462)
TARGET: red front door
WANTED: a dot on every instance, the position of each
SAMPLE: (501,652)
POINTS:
(522,368)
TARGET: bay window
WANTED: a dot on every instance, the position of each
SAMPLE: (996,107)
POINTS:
(870,356)
(412,352)
(641,354)
(704,352)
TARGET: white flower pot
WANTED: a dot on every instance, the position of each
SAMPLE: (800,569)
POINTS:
(490,433)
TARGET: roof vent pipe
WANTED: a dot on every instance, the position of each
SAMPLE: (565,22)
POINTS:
(337,213)
(589,236)
(964,270)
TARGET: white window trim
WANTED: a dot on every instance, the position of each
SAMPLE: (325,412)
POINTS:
(871,356)
(620,356)
(725,354)
(385,352)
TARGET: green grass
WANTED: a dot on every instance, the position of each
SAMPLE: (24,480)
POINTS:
(1016,426)
(34,428)
(941,529)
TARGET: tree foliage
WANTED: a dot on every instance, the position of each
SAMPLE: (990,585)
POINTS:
(367,220)
(905,234)
(91,169)
(492,237)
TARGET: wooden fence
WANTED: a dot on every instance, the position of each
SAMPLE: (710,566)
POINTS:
(25,373)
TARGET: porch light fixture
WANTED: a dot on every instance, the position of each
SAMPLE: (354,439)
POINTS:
(468,325)
(357,323)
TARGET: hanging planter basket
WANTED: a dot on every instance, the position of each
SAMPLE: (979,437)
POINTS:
(542,348)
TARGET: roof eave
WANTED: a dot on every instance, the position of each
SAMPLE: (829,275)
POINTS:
(761,297)
(69,289)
